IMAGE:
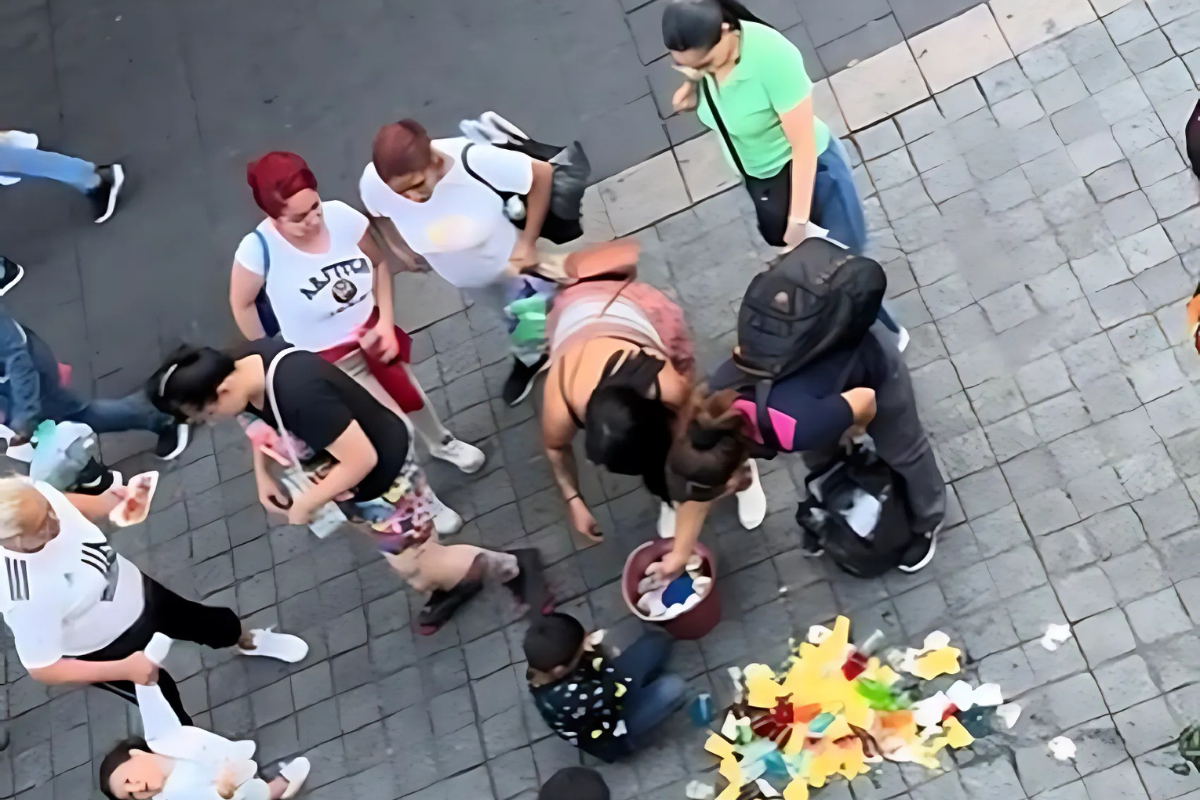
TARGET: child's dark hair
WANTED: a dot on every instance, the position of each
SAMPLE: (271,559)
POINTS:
(574,783)
(115,758)
(552,641)
(188,379)
(696,24)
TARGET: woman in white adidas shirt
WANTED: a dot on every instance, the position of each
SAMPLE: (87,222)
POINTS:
(442,196)
(331,292)
(80,613)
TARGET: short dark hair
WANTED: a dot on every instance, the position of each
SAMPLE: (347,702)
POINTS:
(115,758)
(401,148)
(552,641)
(574,783)
(188,379)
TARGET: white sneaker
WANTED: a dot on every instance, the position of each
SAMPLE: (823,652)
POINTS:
(445,519)
(752,502)
(902,339)
(467,457)
(666,522)
(281,646)
(295,772)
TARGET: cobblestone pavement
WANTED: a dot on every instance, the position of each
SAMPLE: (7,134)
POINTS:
(1040,230)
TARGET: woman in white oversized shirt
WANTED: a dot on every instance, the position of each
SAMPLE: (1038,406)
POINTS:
(331,292)
(175,761)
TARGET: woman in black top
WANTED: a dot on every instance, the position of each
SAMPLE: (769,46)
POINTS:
(360,453)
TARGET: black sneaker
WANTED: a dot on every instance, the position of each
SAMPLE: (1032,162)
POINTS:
(173,441)
(10,274)
(104,196)
(810,545)
(520,380)
(920,552)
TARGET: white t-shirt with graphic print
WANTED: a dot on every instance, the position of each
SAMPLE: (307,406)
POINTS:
(320,299)
(461,230)
(74,596)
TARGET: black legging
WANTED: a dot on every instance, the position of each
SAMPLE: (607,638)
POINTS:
(179,618)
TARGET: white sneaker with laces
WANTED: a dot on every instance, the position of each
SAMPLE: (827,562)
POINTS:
(666,522)
(752,501)
(281,646)
(295,772)
(467,457)
(445,519)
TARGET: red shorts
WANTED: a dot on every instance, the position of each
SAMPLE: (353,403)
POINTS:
(391,375)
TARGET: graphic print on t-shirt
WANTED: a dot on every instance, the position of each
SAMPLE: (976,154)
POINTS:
(340,275)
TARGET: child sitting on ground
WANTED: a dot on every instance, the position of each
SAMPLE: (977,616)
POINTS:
(602,702)
(574,783)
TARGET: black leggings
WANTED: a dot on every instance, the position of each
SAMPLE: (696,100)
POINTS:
(169,614)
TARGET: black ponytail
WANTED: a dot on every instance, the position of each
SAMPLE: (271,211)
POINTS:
(696,24)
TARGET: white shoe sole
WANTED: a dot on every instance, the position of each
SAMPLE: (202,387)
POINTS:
(447,522)
(296,773)
(14,281)
(924,562)
(183,439)
(465,467)
(902,339)
(752,502)
(666,522)
(279,646)
(118,182)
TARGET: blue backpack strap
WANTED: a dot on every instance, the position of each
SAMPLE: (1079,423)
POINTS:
(266,252)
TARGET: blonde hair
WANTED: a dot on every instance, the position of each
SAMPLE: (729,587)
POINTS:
(13,490)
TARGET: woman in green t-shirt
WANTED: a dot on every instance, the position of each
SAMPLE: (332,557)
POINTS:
(746,80)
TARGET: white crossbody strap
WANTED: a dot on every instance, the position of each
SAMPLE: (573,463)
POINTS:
(296,469)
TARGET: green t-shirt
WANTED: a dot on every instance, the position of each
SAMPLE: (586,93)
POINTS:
(768,80)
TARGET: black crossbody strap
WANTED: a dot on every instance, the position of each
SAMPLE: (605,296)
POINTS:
(712,107)
(474,174)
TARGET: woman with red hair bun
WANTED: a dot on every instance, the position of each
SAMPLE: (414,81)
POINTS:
(311,272)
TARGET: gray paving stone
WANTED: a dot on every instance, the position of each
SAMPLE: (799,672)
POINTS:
(892,169)
(1019,110)
(1129,22)
(1084,593)
(1123,101)
(1125,682)
(920,120)
(1145,726)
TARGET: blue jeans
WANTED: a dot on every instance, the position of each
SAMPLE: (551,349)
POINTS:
(835,203)
(28,162)
(653,696)
(133,412)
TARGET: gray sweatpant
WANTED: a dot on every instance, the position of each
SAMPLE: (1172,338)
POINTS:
(901,442)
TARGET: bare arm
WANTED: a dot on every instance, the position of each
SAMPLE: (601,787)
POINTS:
(798,128)
(558,433)
(71,670)
(97,506)
(356,457)
(381,281)
(862,405)
(244,287)
(537,203)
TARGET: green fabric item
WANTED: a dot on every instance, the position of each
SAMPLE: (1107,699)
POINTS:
(768,80)
(530,313)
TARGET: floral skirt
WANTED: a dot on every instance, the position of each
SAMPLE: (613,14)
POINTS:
(402,517)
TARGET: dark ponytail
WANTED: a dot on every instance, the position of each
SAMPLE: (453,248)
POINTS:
(696,24)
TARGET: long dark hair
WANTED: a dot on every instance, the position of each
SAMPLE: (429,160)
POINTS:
(696,24)
(711,443)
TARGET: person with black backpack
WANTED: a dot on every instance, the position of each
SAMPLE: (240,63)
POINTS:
(809,375)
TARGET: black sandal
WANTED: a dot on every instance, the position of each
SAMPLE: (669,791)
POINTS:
(443,603)
(529,587)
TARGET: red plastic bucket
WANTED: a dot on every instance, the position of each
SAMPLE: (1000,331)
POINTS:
(695,622)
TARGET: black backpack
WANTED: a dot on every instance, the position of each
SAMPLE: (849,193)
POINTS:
(832,491)
(1191,137)
(815,300)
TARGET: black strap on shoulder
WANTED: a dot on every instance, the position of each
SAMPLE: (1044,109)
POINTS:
(712,107)
(467,166)
(762,391)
